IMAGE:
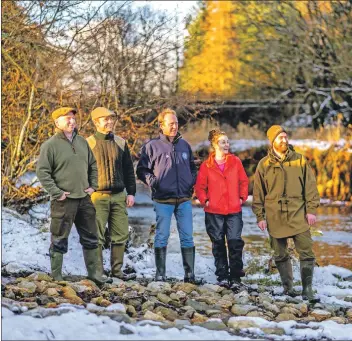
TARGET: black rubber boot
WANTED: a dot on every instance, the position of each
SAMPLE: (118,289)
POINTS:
(286,275)
(307,269)
(188,257)
(160,261)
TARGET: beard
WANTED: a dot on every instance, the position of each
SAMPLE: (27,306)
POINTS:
(281,147)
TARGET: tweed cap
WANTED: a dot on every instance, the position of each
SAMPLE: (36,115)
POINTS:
(62,112)
(101,112)
(273,132)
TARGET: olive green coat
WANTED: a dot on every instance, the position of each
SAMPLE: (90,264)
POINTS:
(284,192)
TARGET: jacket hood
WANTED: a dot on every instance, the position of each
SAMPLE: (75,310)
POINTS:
(273,158)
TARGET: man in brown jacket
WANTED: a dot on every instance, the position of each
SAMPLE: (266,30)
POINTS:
(285,199)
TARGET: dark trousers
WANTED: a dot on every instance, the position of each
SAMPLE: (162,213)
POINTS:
(229,226)
(66,212)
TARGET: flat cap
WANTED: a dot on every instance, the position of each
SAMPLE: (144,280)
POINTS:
(62,112)
(101,112)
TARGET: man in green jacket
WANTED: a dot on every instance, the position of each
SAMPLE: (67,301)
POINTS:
(67,170)
(115,175)
(285,199)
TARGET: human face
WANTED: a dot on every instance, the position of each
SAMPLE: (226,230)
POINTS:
(281,143)
(170,125)
(66,123)
(222,144)
(105,124)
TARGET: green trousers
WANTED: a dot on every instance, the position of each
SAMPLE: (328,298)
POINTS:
(303,243)
(111,210)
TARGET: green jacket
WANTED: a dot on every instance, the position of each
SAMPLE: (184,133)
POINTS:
(66,167)
(284,192)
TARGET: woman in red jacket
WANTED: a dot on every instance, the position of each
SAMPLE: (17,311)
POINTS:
(222,188)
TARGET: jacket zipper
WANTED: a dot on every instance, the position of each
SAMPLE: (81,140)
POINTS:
(176,162)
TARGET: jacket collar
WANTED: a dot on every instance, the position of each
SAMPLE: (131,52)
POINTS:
(211,163)
(62,135)
(101,136)
(166,139)
(274,158)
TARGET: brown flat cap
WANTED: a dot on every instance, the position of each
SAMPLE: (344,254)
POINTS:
(273,132)
(62,112)
(101,112)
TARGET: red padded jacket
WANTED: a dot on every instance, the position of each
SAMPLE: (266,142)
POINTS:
(223,190)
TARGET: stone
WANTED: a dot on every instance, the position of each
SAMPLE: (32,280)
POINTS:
(154,317)
(256,313)
(116,307)
(71,296)
(241,324)
(118,317)
(179,322)
(52,292)
(338,319)
(348,298)
(100,301)
(224,304)
(39,276)
(30,286)
(164,298)
(194,294)
(349,314)
(125,331)
(136,302)
(285,317)
(242,310)
(169,314)
(41,287)
(242,298)
(10,294)
(303,308)
(291,310)
(320,315)
(131,310)
(212,325)
(181,294)
(148,305)
(185,287)
(273,331)
(82,289)
(271,307)
(198,318)
(214,287)
(198,306)
(263,297)
(212,312)
(159,287)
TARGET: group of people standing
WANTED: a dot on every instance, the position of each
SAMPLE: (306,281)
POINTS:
(92,181)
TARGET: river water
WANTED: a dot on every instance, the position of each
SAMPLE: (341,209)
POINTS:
(333,247)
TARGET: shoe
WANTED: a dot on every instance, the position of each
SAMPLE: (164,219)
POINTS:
(224,282)
(188,258)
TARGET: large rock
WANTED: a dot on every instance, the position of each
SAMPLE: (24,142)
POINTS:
(159,287)
(291,310)
(101,301)
(214,287)
(349,314)
(69,294)
(242,298)
(241,324)
(198,306)
(154,317)
(30,286)
(198,318)
(185,287)
(40,276)
(52,292)
(148,305)
(242,310)
(264,297)
(320,315)
(164,298)
(271,307)
(285,317)
(273,331)
(169,314)
(338,319)
(212,325)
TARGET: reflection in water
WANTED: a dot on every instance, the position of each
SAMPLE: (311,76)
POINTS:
(334,247)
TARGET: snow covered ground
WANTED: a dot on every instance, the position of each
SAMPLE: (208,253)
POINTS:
(25,248)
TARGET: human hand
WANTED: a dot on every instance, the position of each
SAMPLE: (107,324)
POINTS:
(311,219)
(241,201)
(207,203)
(64,196)
(130,200)
(89,190)
(262,225)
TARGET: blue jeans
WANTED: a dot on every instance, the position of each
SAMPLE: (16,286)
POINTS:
(184,219)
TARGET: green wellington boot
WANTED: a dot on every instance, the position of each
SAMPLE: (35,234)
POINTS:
(56,259)
(307,268)
(160,261)
(286,274)
(92,261)
(117,254)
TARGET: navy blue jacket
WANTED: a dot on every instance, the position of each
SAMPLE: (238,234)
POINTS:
(167,167)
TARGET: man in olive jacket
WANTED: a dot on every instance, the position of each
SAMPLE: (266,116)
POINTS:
(115,174)
(67,170)
(285,199)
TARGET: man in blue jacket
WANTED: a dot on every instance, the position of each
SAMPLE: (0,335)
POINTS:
(167,166)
